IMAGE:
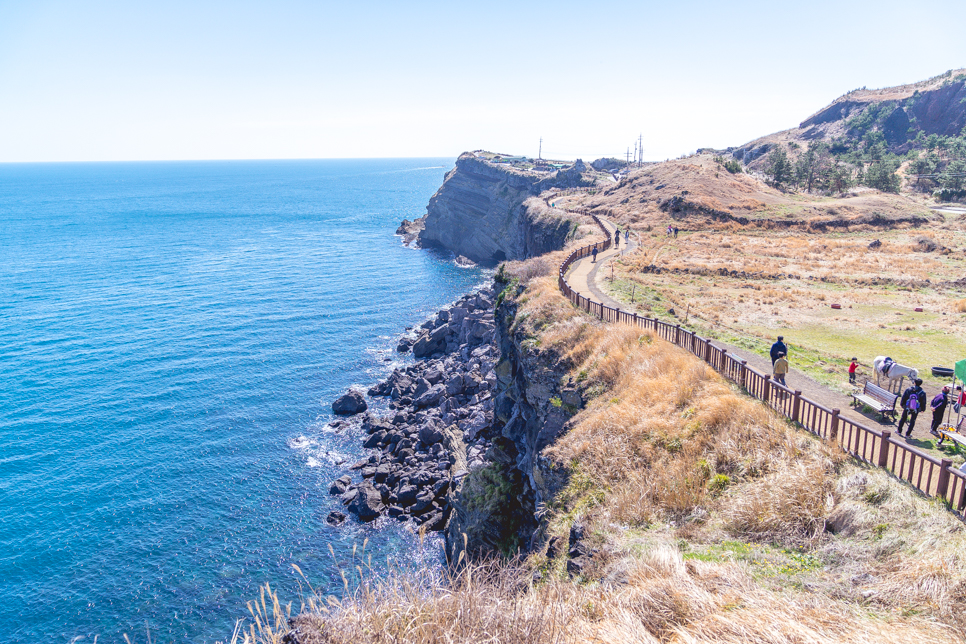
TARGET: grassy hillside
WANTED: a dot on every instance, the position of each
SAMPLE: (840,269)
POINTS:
(752,261)
(910,137)
(691,513)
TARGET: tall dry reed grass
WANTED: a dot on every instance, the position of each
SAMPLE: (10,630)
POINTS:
(666,450)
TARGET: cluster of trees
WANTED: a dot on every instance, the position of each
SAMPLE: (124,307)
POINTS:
(815,169)
(732,166)
(936,162)
(943,160)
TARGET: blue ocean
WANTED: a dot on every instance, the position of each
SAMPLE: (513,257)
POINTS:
(172,336)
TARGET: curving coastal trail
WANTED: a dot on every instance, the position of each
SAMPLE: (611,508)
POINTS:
(807,406)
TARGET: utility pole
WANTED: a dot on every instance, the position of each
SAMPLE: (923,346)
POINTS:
(640,146)
(540,153)
(628,161)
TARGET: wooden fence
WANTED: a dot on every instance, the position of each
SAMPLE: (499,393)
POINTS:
(931,476)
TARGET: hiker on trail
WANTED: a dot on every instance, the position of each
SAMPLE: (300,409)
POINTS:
(780,368)
(675,232)
(627,234)
(852,368)
(670,230)
(913,402)
(778,348)
(595,253)
(617,238)
(938,406)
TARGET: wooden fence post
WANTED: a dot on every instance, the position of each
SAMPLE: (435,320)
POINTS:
(884,448)
(743,374)
(796,405)
(707,350)
(677,335)
(834,429)
(942,484)
(766,388)
(724,360)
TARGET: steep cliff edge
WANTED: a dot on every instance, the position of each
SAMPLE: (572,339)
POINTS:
(497,507)
(488,212)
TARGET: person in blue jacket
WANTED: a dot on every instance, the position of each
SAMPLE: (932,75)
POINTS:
(913,402)
(777,349)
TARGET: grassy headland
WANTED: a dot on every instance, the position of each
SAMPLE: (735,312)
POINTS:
(690,513)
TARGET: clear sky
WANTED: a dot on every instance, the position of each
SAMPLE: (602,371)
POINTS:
(109,80)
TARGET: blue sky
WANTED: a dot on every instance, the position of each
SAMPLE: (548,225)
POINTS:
(93,81)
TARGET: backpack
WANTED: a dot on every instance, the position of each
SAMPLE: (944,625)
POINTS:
(913,403)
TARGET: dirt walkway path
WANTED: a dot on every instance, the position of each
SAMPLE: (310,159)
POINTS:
(587,278)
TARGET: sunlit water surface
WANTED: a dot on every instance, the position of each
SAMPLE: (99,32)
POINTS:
(171,338)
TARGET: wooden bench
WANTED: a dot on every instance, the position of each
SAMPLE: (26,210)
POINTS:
(948,431)
(879,399)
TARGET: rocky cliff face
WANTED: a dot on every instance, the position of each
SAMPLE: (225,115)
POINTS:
(496,507)
(488,213)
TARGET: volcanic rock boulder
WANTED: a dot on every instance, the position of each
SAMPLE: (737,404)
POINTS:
(349,404)
(368,502)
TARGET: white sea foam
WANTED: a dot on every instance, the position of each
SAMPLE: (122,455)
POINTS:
(301,442)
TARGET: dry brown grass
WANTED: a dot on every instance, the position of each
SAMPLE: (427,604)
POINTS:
(647,459)
(653,597)
(662,424)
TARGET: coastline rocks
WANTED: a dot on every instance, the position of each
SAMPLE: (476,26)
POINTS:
(350,404)
(409,230)
(440,408)
(340,485)
(367,504)
(335,518)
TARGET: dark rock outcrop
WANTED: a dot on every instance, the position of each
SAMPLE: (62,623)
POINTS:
(349,404)
(442,405)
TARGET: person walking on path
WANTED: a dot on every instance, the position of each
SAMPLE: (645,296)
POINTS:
(617,238)
(852,368)
(778,348)
(595,253)
(780,368)
(675,232)
(938,406)
(913,401)
(627,235)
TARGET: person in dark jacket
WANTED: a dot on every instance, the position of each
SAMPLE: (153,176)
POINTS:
(913,402)
(938,406)
(777,349)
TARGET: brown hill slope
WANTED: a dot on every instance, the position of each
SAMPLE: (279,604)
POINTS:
(932,106)
(697,193)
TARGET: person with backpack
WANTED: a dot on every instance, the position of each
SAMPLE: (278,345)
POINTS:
(913,401)
(938,406)
(617,238)
(595,253)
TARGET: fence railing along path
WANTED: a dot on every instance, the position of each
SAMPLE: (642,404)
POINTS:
(931,476)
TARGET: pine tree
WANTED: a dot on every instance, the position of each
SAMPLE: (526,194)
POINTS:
(779,167)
